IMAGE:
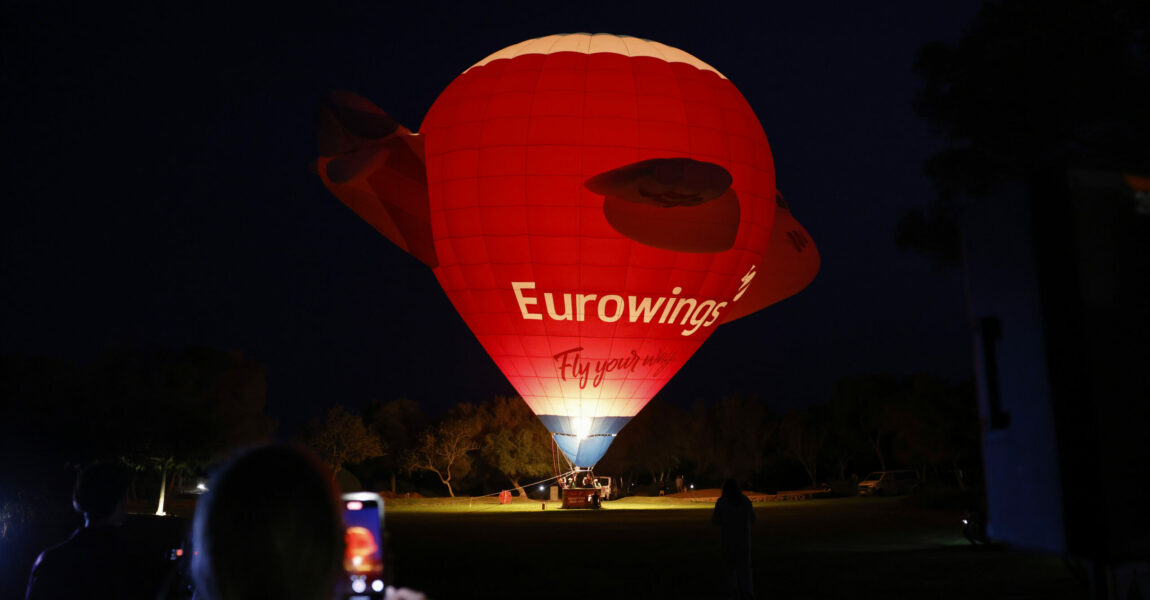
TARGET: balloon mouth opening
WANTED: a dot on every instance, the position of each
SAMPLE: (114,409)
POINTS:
(581,427)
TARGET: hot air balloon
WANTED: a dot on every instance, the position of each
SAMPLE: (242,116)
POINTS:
(594,206)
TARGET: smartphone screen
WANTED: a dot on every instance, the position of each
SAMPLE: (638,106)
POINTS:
(363,554)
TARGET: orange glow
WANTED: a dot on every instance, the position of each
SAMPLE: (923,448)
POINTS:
(1138,182)
(362,551)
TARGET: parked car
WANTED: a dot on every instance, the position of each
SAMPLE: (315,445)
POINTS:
(888,483)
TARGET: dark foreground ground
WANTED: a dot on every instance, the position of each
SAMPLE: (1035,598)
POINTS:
(666,548)
(845,548)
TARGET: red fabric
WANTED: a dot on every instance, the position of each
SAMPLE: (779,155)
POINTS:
(375,167)
(509,146)
(791,263)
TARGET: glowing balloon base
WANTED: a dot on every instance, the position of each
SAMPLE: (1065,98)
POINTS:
(583,451)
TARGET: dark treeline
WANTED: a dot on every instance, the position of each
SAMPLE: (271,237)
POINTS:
(871,422)
(165,416)
(999,99)
(170,416)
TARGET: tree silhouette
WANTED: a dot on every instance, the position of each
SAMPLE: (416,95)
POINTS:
(744,427)
(937,426)
(654,441)
(869,402)
(802,436)
(702,443)
(1033,85)
(172,412)
(341,439)
(158,411)
(398,423)
(845,437)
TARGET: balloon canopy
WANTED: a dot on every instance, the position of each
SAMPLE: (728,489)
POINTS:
(594,206)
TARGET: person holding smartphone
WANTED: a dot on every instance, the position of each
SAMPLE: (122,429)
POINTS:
(270,526)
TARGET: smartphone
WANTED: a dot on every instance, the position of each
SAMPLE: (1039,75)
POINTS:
(363,554)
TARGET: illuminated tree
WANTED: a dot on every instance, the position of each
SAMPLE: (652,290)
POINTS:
(444,449)
(514,441)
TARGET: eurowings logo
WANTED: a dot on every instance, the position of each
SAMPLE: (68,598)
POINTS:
(690,312)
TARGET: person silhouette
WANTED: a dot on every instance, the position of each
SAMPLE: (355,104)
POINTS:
(734,515)
(269,527)
(97,561)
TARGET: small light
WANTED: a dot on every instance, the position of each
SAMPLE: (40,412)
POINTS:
(692,486)
(358,586)
(541,488)
(179,551)
(964,521)
(354,505)
(377,585)
(201,487)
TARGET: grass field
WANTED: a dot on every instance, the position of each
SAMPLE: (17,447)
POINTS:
(666,548)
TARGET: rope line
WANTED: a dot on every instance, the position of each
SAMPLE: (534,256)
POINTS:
(524,486)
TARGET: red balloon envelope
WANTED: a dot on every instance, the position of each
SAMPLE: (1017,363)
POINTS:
(597,205)
(791,263)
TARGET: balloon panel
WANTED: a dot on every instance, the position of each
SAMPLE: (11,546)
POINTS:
(791,263)
(584,452)
(375,166)
(586,322)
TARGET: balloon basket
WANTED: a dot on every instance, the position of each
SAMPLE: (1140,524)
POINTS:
(582,498)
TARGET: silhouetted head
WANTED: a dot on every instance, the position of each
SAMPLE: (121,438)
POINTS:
(269,527)
(99,490)
(731,488)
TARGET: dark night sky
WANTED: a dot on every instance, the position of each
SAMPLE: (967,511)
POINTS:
(156,190)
